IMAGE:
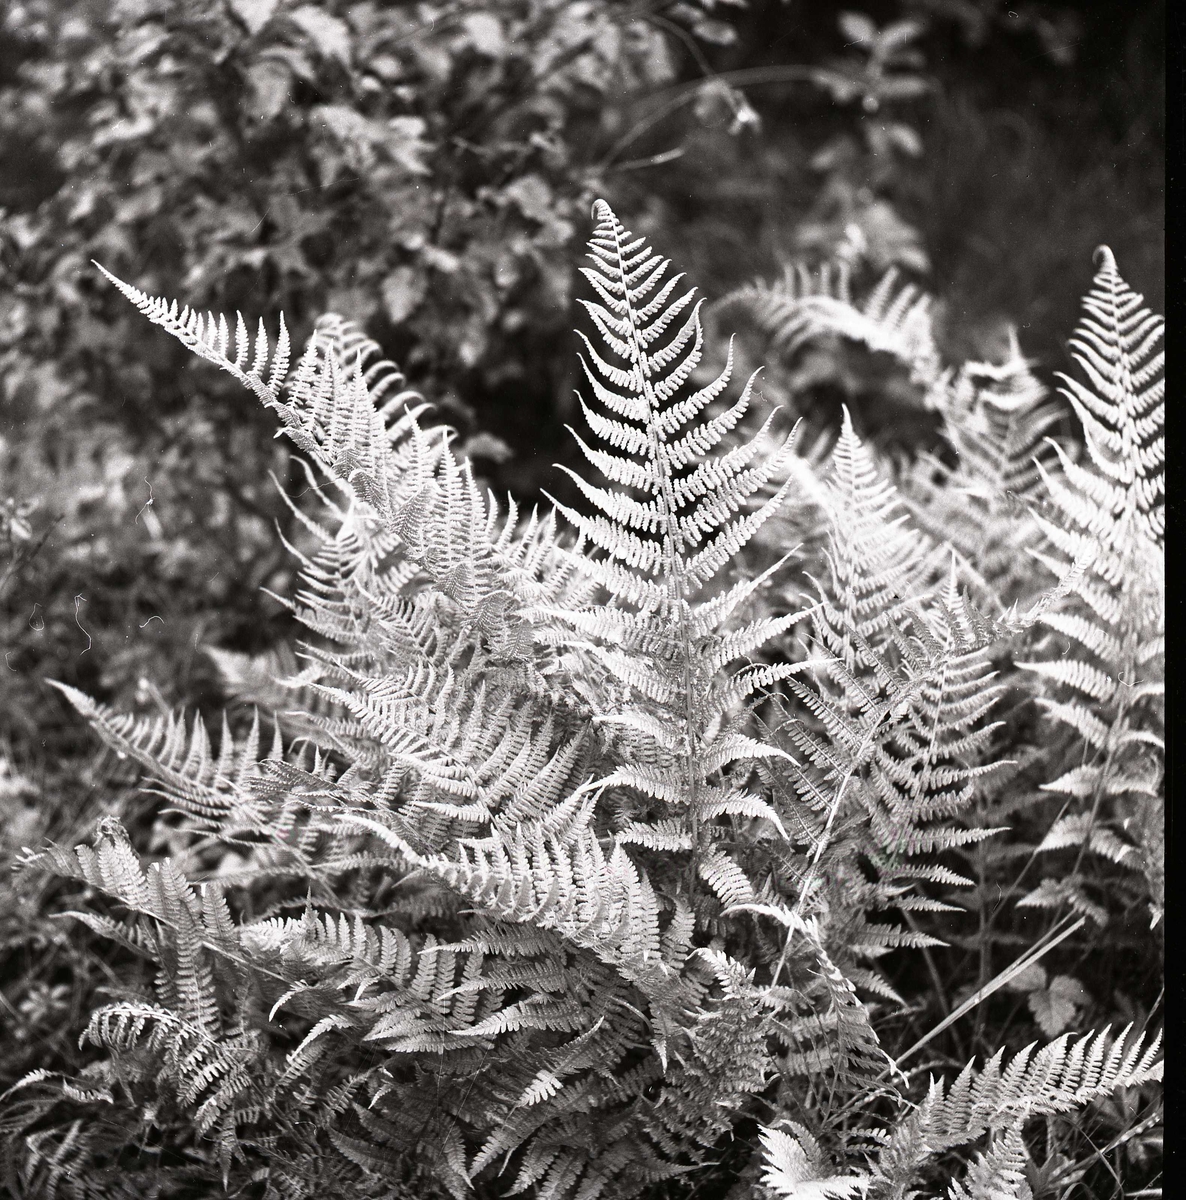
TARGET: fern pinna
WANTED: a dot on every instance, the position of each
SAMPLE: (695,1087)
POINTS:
(551,880)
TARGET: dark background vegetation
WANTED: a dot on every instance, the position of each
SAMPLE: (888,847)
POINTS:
(428,170)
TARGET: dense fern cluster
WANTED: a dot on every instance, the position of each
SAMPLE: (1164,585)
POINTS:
(564,857)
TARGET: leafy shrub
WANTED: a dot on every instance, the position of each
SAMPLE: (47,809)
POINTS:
(580,847)
(322,155)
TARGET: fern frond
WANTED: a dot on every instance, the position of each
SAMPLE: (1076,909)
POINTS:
(999,1173)
(1062,1076)
(210,338)
(895,318)
(1122,405)
(665,654)
(876,560)
(1109,688)
(179,756)
(995,418)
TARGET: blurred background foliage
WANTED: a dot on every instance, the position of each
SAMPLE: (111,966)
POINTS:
(427,169)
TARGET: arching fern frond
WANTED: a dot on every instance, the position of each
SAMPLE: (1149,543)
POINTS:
(345,407)
(180,758)
(801,307)
(1059,1078)
(210,338)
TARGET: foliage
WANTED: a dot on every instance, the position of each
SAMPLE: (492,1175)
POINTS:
(420,166)
(601,856)
(321,156)
(425,168)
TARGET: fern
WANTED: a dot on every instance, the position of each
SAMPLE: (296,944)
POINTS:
(876,562)
(1109,689)
(894,319)
(792,1166)
(1061,1076)
(890,745)
(574,850)
(995,416)
(468,766)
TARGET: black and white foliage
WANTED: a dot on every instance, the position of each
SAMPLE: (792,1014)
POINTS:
(561,858)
